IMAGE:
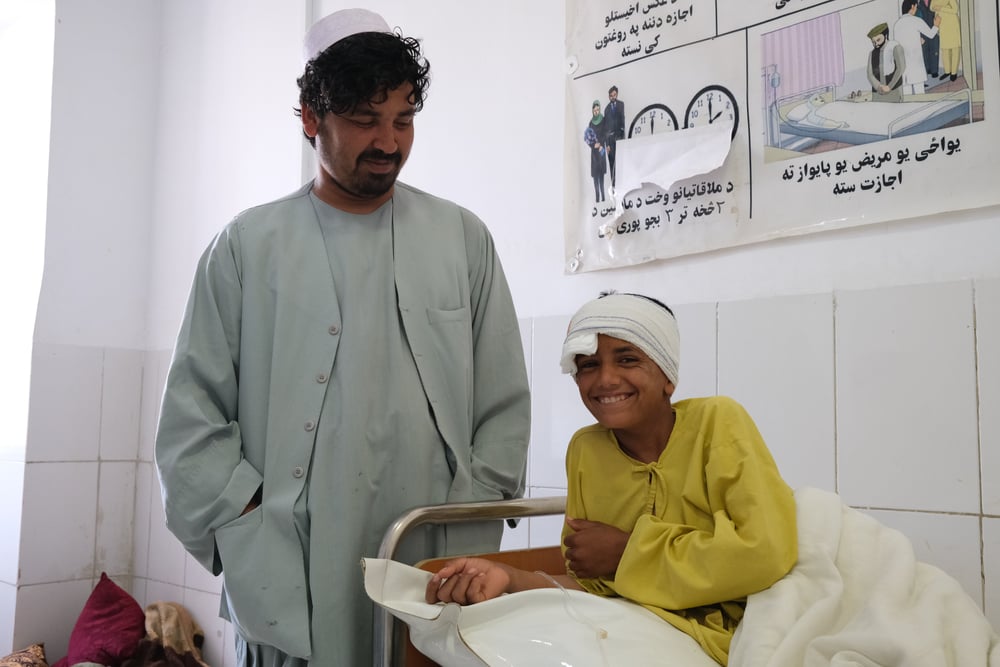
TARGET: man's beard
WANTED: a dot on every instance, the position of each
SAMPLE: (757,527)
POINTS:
(364,184)
(369,184)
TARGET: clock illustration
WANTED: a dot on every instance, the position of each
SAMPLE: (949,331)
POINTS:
(654,119)
(713,104)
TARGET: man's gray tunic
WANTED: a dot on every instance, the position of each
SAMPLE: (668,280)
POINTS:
(350,403)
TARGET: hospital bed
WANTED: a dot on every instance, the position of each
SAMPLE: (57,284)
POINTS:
(818,114)
(390,647)
(857,591)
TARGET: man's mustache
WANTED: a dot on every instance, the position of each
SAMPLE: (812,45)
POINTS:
(381,155)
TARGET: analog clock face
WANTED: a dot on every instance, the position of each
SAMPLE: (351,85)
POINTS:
(654,119)
(713,104)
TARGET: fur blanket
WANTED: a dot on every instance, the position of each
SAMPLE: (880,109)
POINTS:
(858,597)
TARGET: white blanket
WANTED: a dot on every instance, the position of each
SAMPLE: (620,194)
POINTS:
(858,597)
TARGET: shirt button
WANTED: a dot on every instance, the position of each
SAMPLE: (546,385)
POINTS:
(297,472)
(321,378)
(334,330)
(310,425)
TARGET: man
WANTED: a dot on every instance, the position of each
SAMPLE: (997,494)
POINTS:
(910,31)
(886,65)
(348,352)
(614,124)
(931,48)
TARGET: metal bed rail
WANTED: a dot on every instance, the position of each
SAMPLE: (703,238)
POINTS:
(448,513)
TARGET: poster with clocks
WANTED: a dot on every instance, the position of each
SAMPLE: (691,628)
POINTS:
(695,125)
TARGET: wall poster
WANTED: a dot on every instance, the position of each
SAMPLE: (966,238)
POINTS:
(693,125)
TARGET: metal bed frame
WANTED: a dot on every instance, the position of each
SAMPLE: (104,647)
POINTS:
(384,651)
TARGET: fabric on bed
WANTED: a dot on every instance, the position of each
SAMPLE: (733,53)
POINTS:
(173,638)
(858,596)
(32,656)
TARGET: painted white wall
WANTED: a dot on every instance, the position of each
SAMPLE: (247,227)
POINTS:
(26,39)
(169,118)
(225,137)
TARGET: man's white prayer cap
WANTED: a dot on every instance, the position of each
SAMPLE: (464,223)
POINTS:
(336,26)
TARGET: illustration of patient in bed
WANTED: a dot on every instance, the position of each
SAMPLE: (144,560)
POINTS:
(678,507)
(809,113)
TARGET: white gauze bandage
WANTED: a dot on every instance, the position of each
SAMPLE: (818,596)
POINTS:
(630,318)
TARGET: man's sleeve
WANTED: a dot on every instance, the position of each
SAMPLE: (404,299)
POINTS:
(871,74)
(899,59)
(205,480)
(501,403)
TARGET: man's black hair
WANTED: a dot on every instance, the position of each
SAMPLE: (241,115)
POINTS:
(360,69)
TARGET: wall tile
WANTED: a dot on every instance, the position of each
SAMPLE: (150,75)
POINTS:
(525,325)
(8,603)
(947,541)
(115,517)
(196,577)
(126,582)
(166,555)
(11,499)
(991,560)
(47,613)
(229,646)
(58,522)
(65,409)
(699,350)
(776,358)
(145,485)
(515,538)
(121,404)
(154,375)
(556,409)
(157,591)
(139,590)
(988,360)
(906,398)
(204,608)
(545,530)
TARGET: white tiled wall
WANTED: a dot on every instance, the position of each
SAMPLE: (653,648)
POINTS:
(991,569)
(59,522)
(890,397)
(988,360)
(46,613)
(66,425)
(907,435)
(79,488)
(872,394)
(11,494)
(776,358)
(8,604)
(697,374)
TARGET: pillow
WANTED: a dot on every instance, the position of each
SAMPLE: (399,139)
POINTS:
(33,656)
(109,627)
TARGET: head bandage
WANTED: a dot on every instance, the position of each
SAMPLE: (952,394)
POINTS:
(630,318)
(332,28)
